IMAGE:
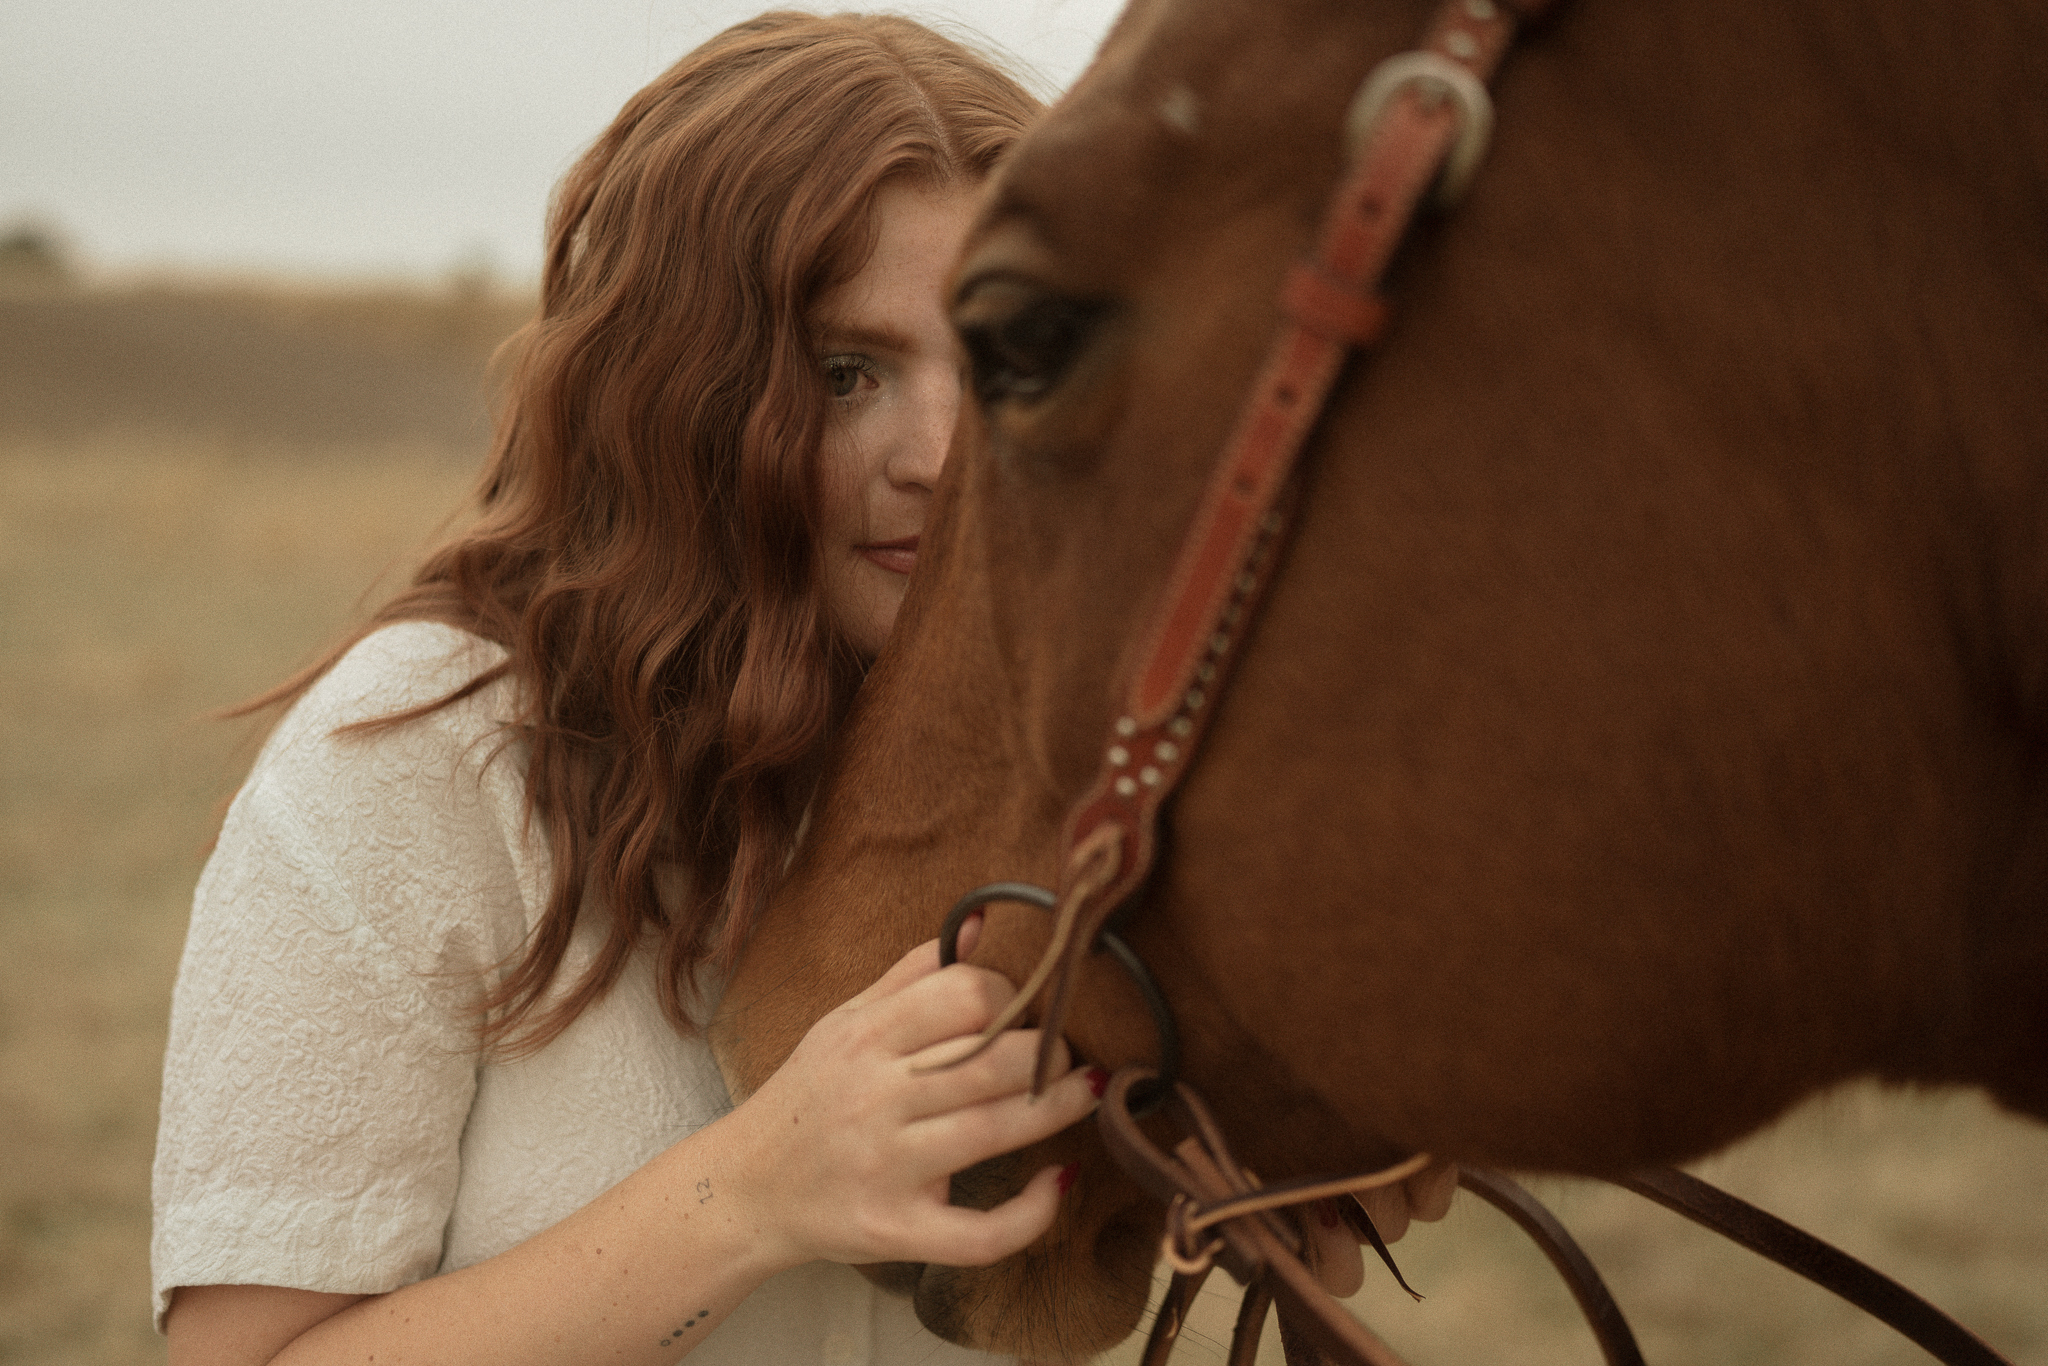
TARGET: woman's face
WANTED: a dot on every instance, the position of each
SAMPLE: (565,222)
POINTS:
(893,369)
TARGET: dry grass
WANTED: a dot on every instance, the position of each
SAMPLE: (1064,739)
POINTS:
(149,574)
(143,583)
(197,486)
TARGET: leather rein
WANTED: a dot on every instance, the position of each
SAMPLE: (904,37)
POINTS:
(1415,131)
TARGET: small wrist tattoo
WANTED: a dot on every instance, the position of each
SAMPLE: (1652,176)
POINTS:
(690,1322)
(703,1190)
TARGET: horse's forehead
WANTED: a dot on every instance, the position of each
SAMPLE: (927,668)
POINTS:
(1192,107)
(1102,178)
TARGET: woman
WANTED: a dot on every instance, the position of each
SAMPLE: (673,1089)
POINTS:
(435,1086)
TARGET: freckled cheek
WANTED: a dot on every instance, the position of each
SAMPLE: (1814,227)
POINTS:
(842,519)
(840,476)
(861,475)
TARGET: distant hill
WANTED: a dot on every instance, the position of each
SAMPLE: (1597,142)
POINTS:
(252,363)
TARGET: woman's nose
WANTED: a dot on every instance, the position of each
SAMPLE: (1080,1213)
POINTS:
(918,458)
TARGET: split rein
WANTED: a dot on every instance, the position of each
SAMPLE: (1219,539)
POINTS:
(1416,131)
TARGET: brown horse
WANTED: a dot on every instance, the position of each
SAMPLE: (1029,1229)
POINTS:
(1645,728)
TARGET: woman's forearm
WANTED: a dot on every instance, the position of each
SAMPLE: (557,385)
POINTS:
(641,1274)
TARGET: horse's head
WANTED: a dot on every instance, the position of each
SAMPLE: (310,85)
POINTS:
(1639,733)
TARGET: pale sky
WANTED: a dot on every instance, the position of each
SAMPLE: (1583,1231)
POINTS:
(361,137)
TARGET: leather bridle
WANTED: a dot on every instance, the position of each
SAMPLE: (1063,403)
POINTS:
(1416,129)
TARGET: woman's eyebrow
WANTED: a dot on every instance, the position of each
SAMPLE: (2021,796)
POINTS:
(879,338)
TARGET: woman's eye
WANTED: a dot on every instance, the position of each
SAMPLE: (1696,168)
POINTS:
(1023,340)
(843,375)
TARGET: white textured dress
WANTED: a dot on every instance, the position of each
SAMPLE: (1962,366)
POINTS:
(327,1124)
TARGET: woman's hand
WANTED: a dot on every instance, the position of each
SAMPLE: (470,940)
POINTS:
(860,1131)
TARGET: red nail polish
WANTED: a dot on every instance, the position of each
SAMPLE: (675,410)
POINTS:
(1098,1081)
(1067,1175)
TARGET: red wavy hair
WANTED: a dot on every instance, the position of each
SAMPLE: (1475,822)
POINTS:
(645,552)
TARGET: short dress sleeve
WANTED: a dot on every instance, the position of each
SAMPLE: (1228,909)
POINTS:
(321,1059)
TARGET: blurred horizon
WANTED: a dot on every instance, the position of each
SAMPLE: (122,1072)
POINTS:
(38,257)
(76,267)
(384,144)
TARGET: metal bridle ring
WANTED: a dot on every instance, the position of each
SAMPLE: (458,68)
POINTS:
(1159,1087)
(1443,78)
(1030,893)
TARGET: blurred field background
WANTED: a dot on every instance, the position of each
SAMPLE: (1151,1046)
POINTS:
(198,486)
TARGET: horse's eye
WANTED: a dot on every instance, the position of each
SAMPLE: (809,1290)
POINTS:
(1020,341)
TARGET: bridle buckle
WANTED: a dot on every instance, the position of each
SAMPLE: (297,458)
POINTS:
(1439,79)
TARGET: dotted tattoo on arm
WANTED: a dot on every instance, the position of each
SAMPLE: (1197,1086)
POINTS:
(690,1322)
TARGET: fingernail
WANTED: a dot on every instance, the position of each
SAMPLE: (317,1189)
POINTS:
(970,934)
(1098,1081)
(1327,1212)
(1067,1175)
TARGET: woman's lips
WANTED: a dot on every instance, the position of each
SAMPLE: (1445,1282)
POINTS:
(898,557)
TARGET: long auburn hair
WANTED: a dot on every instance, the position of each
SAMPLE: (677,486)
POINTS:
(646,548)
